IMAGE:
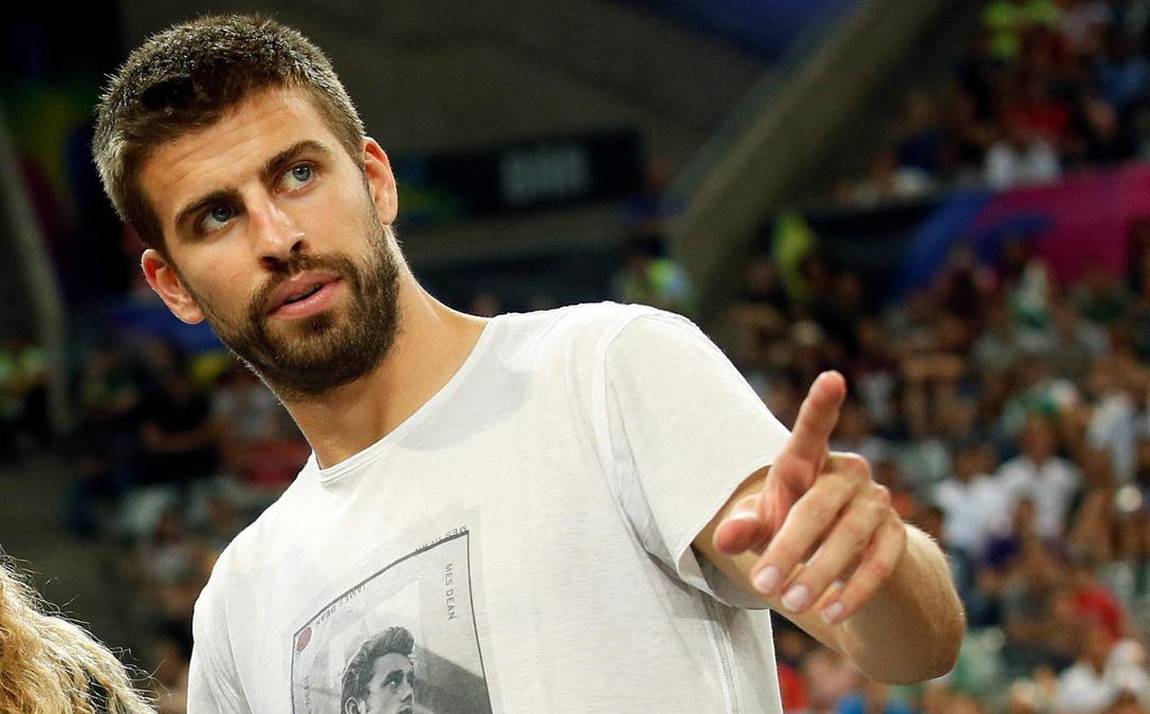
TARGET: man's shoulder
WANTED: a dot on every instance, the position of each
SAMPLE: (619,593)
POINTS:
(244,560)
(591,316)
(572,328)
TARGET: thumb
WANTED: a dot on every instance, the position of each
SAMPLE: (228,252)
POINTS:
(744,528)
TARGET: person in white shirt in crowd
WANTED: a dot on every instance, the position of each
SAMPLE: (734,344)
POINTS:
(1104,672)
(1113,422)
(1020,158)
(1042,476)
(973,500)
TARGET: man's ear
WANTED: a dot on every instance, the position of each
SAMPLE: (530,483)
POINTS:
(162,276)
(377,171)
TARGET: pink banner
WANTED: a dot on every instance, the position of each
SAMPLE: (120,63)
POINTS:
(1080,223)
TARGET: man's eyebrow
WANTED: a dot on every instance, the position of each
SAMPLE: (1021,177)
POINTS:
(276,164)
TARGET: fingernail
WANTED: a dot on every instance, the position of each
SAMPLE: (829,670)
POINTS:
(767,579)
(795,598)
(743,515)
(832,612)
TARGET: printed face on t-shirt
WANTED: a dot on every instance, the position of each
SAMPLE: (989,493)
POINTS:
(392,686)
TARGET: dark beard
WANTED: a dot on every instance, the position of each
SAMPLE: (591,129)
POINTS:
(311,356)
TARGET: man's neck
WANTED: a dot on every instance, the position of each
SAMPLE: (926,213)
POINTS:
(431,344)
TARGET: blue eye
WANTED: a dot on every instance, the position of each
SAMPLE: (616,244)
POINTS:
(222,214)
(215,218)
(298,176)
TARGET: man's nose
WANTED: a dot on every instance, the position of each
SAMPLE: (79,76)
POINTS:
(277,235)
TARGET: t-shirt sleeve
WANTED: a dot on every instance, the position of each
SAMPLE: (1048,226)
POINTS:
(213,685)
(685,430)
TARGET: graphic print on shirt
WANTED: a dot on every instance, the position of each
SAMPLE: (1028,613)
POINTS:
(401,641)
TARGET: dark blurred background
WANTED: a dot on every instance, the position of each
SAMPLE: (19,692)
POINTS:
(947,201)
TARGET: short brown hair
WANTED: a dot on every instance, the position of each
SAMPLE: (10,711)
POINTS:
(185,78)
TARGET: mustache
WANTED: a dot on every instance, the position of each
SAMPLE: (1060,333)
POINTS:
(296,264)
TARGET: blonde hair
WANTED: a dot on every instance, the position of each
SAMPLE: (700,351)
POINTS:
(49,665)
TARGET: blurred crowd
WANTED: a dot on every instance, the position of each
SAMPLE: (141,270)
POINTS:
(1010,418)
(23,396)
(174,454)
(1049,86)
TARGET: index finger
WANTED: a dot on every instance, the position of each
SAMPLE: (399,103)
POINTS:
(802,456)
(817,418)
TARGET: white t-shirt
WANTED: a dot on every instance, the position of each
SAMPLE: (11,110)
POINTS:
(1052,486)
(1082,690)
(975,510)
(522,543)
(1006,165)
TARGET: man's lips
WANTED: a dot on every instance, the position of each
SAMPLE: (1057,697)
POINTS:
(303,294)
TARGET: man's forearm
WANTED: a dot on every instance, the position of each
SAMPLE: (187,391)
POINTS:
(913,626)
